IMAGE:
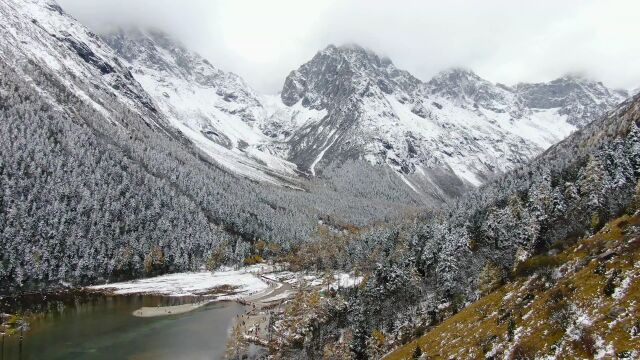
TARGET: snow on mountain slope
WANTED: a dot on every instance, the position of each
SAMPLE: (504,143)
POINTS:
(454,131)
(441,136)
(216,110)
(40,32)
(575,97)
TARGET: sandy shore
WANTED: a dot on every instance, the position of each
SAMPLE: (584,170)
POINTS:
(169,310)
(255,322)
(262,294)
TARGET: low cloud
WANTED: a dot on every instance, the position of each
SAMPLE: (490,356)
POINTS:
(503,41)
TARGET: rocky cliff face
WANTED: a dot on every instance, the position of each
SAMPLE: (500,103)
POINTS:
(216,110)
(453,131)
(577,98)
(39,32)
(347,103)
(441,137)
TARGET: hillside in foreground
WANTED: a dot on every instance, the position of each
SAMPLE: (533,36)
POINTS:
(577,301)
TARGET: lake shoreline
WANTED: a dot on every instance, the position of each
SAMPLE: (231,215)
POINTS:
(261,291)
(103,327)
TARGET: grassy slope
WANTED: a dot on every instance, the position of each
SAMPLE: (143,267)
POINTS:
(588,306)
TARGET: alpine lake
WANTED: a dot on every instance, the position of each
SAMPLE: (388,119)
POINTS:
(91,326)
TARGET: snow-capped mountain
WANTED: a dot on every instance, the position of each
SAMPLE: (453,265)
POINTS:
(440,136)
(97,175)
(39,33)
(347,103)
(216,110)
(453,131)
(575,97)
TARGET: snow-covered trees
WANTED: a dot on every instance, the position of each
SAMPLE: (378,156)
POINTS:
(88,195)
(484,238)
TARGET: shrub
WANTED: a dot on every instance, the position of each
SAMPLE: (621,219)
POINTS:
(154,261)
(610,286)
(491,277)
(635,204)
(523,351)
(486,344)
(417,352)
(595,222)
(528,298)
(560,312)
(473,245)
(535,264)
(252,260)
(511,329)
(217,258)
(587,342)
(625,354)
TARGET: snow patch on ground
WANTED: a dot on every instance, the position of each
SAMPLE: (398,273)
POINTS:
(340,280)
(288,118)
(409,184)
(344,280)
(622,289)
(321,154)
(249,280)
(190,284)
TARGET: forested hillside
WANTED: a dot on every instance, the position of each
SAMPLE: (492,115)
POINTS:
(99,181)
(580,302)
(421,272)
(85,199)
(96,184)
(359,213)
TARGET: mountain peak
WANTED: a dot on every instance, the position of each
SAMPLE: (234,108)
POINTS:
(578,97)
(457,72)
(575,77)
(138,44)
(355,53)
(345,48)
(158,51)
(461,83)
(344,70)
(36,27)
(456,77)
(157,57)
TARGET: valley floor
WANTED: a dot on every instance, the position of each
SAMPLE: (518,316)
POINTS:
(263,289)
(225,284)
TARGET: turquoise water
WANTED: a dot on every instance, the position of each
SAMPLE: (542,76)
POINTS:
(104,328)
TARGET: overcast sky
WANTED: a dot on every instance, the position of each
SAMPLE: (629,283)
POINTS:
(502,40)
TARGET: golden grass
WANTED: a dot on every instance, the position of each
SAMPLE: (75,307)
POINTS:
(540,326)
